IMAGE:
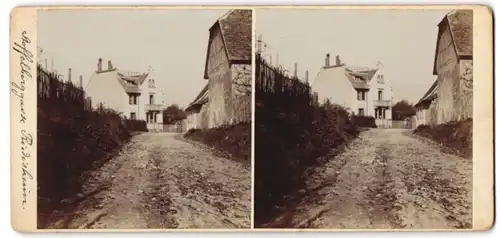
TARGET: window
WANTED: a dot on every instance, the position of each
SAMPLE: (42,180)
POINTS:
(361,112)
(132,99)
(151,99)
(361,95)
(132,116)
(380,113)
(380,96)
(151,118)
(151,83)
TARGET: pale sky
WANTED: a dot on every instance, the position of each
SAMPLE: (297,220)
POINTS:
(403,40)
(173,42)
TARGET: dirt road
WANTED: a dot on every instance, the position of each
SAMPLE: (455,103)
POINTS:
(159,180)
(387,179)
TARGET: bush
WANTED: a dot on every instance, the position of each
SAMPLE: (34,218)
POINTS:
(456,135)
(365,121)
(290,143)
(70,141)
(136,125)
(235,139)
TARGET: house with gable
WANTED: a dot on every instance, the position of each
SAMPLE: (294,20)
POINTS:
(226,99)
(450,96)
(135,95)
(364,91)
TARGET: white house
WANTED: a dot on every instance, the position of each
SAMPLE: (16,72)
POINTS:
(363,91)
(133,94)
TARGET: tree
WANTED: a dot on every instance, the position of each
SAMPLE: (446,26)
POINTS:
(172,114)
(402,110)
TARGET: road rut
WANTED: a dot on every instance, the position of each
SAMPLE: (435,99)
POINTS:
(387,179)
(160,180)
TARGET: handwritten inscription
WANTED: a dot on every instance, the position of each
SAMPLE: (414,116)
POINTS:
(18,89)
(26,142)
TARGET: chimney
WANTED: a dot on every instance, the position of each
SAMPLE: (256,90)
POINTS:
(99,65)
(327,60)
(69,75)
(337,60)
(295,70)
(81,81)
(259,44)
(110,66)
(307,76)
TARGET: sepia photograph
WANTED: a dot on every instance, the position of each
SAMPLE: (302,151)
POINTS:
(367,114)
(144,118)
(251,118)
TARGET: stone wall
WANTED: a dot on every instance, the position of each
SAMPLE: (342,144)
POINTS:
(463,97)
(241,93)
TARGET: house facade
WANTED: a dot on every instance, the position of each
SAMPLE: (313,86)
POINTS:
(364,91)
(452,97)
(197,113)
(426,107)
(226,99)
(133,94)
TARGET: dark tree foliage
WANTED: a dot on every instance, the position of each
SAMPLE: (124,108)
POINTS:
(173,114)
(402,110)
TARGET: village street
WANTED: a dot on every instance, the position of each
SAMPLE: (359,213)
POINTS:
(160,180)
(387,179)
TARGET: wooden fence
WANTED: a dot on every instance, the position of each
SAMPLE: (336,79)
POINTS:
(51,87)
(395,124)
(175,128)
(273,82)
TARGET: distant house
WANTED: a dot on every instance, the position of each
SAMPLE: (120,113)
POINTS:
(229,72)
(197,114)
(452,90)
(426,107)
(364,91)
(127,93)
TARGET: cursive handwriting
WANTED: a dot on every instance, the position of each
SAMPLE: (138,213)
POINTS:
(26,142)
(26,58)
(18,89)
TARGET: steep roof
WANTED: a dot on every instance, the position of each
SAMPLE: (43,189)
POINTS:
(236,30)
(460,25)
(200,99)
(122,77)
(429,95)
(137,78)
(360,78)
